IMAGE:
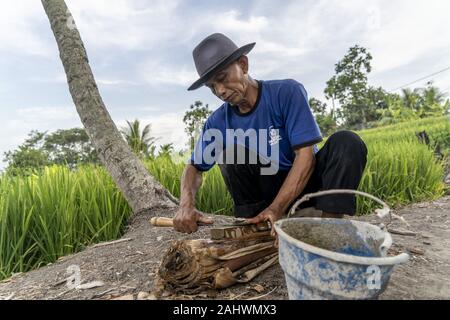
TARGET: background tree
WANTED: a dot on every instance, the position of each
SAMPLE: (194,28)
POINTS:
(141,190)
(28,156)
(349,87)
(325,119)
(395,111)
(411,99)
(194,120)
(140,142)
(432,101)
(412,104)
(64,147)
(70,147)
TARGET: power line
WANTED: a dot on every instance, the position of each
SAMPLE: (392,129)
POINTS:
(423,78)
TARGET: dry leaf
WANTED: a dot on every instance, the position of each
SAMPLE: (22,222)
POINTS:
(258,288)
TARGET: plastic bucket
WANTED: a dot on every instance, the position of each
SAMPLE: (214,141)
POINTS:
(334,258)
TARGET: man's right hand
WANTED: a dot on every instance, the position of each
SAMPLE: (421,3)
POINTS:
(187,218)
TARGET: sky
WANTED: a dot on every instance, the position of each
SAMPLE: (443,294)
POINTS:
(140,52)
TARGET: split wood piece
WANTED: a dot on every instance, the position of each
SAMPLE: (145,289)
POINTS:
(234,232)
(233,269)
(225,278)
(241,262)
(195,263)
(205,252)
(246,250)
(230,231)
(252,273)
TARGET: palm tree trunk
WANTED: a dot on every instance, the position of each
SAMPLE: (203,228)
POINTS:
(140,189)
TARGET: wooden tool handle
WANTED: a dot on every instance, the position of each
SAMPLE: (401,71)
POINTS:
(167,222)
(161,222)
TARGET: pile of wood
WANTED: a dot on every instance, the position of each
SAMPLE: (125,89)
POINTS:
(232,255)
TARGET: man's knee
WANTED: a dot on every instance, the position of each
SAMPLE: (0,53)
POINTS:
(347,138)
(348,142)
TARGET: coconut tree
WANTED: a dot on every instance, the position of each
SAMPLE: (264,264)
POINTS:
(432,101)
(141,142)
(140,189)
(411,99)
(165,150)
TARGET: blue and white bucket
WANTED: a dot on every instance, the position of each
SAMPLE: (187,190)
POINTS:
(335,258)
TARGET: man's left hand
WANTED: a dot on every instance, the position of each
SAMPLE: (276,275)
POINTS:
(268,214)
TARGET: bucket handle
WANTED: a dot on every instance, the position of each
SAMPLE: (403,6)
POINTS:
(381,213)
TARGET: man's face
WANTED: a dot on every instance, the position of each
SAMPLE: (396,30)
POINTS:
(230,84)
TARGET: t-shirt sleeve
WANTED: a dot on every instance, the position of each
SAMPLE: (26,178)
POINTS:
(202,158)
(300,125)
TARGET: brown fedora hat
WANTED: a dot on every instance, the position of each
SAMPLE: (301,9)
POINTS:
(214,53)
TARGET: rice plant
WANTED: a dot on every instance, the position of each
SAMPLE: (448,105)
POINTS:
(400,173)
(56,213)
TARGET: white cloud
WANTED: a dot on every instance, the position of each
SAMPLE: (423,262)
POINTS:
(40,116)
(18,32)
(59,78)
(231,21)
(124,24)
(408,32)
(158,74)
(115,82)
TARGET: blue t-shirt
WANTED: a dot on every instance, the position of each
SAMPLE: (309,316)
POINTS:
(281,118)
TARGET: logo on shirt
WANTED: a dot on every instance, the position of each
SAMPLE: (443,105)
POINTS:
(274,136)
(239,147)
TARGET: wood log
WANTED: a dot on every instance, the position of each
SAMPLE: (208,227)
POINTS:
(205,263)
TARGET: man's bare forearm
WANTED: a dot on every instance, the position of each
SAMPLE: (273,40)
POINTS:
(187,217)
(190,183)
(296,180)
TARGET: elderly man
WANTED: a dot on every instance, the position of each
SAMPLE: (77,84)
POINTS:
(279,112)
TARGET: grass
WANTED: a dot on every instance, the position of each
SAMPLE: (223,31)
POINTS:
(438,129)
(212,197)
(400,169)
(400,173)
(58,211)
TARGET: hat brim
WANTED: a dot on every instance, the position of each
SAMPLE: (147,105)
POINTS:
(221,64)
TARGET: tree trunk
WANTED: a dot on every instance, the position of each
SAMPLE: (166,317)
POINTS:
(140,189)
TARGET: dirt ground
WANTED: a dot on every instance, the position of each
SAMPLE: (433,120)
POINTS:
(128,267)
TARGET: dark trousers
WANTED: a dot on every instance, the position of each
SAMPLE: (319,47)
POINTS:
(339,165)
